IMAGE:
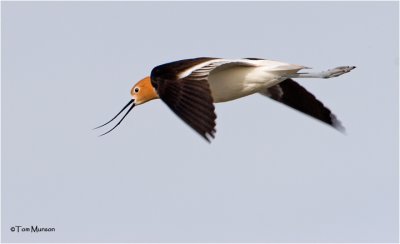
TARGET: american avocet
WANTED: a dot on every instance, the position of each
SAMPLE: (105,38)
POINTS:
(190,87)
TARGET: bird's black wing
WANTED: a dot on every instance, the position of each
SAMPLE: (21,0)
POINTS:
(293,95)
(189,97)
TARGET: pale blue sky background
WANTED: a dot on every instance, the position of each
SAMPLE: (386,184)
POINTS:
(271,175)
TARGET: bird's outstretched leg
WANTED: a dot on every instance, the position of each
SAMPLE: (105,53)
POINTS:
(330,73)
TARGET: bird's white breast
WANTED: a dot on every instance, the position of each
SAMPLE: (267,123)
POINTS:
(235,82)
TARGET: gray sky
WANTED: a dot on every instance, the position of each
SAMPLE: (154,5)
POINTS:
(271,175)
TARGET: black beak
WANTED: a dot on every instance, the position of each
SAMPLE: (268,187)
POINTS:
(130,102)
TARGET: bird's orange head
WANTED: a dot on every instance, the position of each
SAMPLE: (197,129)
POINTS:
(143,91)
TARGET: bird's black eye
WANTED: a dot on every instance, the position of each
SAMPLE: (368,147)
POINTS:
(136,90)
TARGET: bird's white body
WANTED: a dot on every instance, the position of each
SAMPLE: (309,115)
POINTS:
(233,83)
(232,79)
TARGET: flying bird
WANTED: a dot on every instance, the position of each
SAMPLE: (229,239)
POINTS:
(190,87)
